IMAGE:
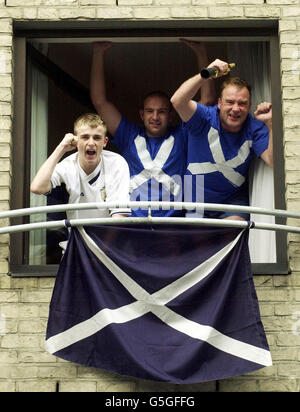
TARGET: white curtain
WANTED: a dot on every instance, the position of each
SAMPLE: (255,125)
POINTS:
(252,64)
(39,143)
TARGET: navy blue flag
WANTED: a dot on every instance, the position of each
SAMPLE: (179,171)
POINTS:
(161,302)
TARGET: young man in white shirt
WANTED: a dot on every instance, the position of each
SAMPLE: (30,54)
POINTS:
(89,175)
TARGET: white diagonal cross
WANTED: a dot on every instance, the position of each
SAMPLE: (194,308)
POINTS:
(155,303)
(226,167)
(153,168)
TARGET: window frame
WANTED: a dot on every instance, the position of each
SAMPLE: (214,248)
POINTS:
(261,30)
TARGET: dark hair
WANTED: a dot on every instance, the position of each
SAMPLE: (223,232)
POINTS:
(235,81)
(156,93)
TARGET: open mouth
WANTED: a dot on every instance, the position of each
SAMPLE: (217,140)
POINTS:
(91,152)
(234,118)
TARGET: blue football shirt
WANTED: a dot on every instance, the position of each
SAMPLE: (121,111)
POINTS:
(157,164)
(222,158)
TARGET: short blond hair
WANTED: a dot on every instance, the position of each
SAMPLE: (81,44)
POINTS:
(89,119)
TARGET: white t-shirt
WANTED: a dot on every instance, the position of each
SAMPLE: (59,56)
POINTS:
(108,182)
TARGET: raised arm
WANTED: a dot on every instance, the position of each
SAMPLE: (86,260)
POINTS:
(208,89)
(182,98)
(104,108)
(41,183)
(263,113)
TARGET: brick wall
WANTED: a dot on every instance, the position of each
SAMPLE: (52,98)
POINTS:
(24,365)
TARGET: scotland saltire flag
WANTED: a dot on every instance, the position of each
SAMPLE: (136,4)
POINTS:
(165,303)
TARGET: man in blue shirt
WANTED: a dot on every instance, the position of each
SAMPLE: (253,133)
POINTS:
(222,139)
(156,152)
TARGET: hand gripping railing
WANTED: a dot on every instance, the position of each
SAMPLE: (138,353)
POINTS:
(147,220)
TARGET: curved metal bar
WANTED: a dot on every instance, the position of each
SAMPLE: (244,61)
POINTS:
(146,220)
(146,205)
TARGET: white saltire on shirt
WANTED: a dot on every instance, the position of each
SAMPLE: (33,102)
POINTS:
(153,168)
(226,167)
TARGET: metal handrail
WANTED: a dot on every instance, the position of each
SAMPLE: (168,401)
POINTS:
(146,220)
(149,219)
(146,205)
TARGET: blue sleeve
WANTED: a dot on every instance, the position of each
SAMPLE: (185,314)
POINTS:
(200,118)
(260,134)
(125,134)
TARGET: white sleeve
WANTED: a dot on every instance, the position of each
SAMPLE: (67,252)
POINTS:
(118,187)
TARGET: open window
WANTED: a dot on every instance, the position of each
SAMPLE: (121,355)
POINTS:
(52,82)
